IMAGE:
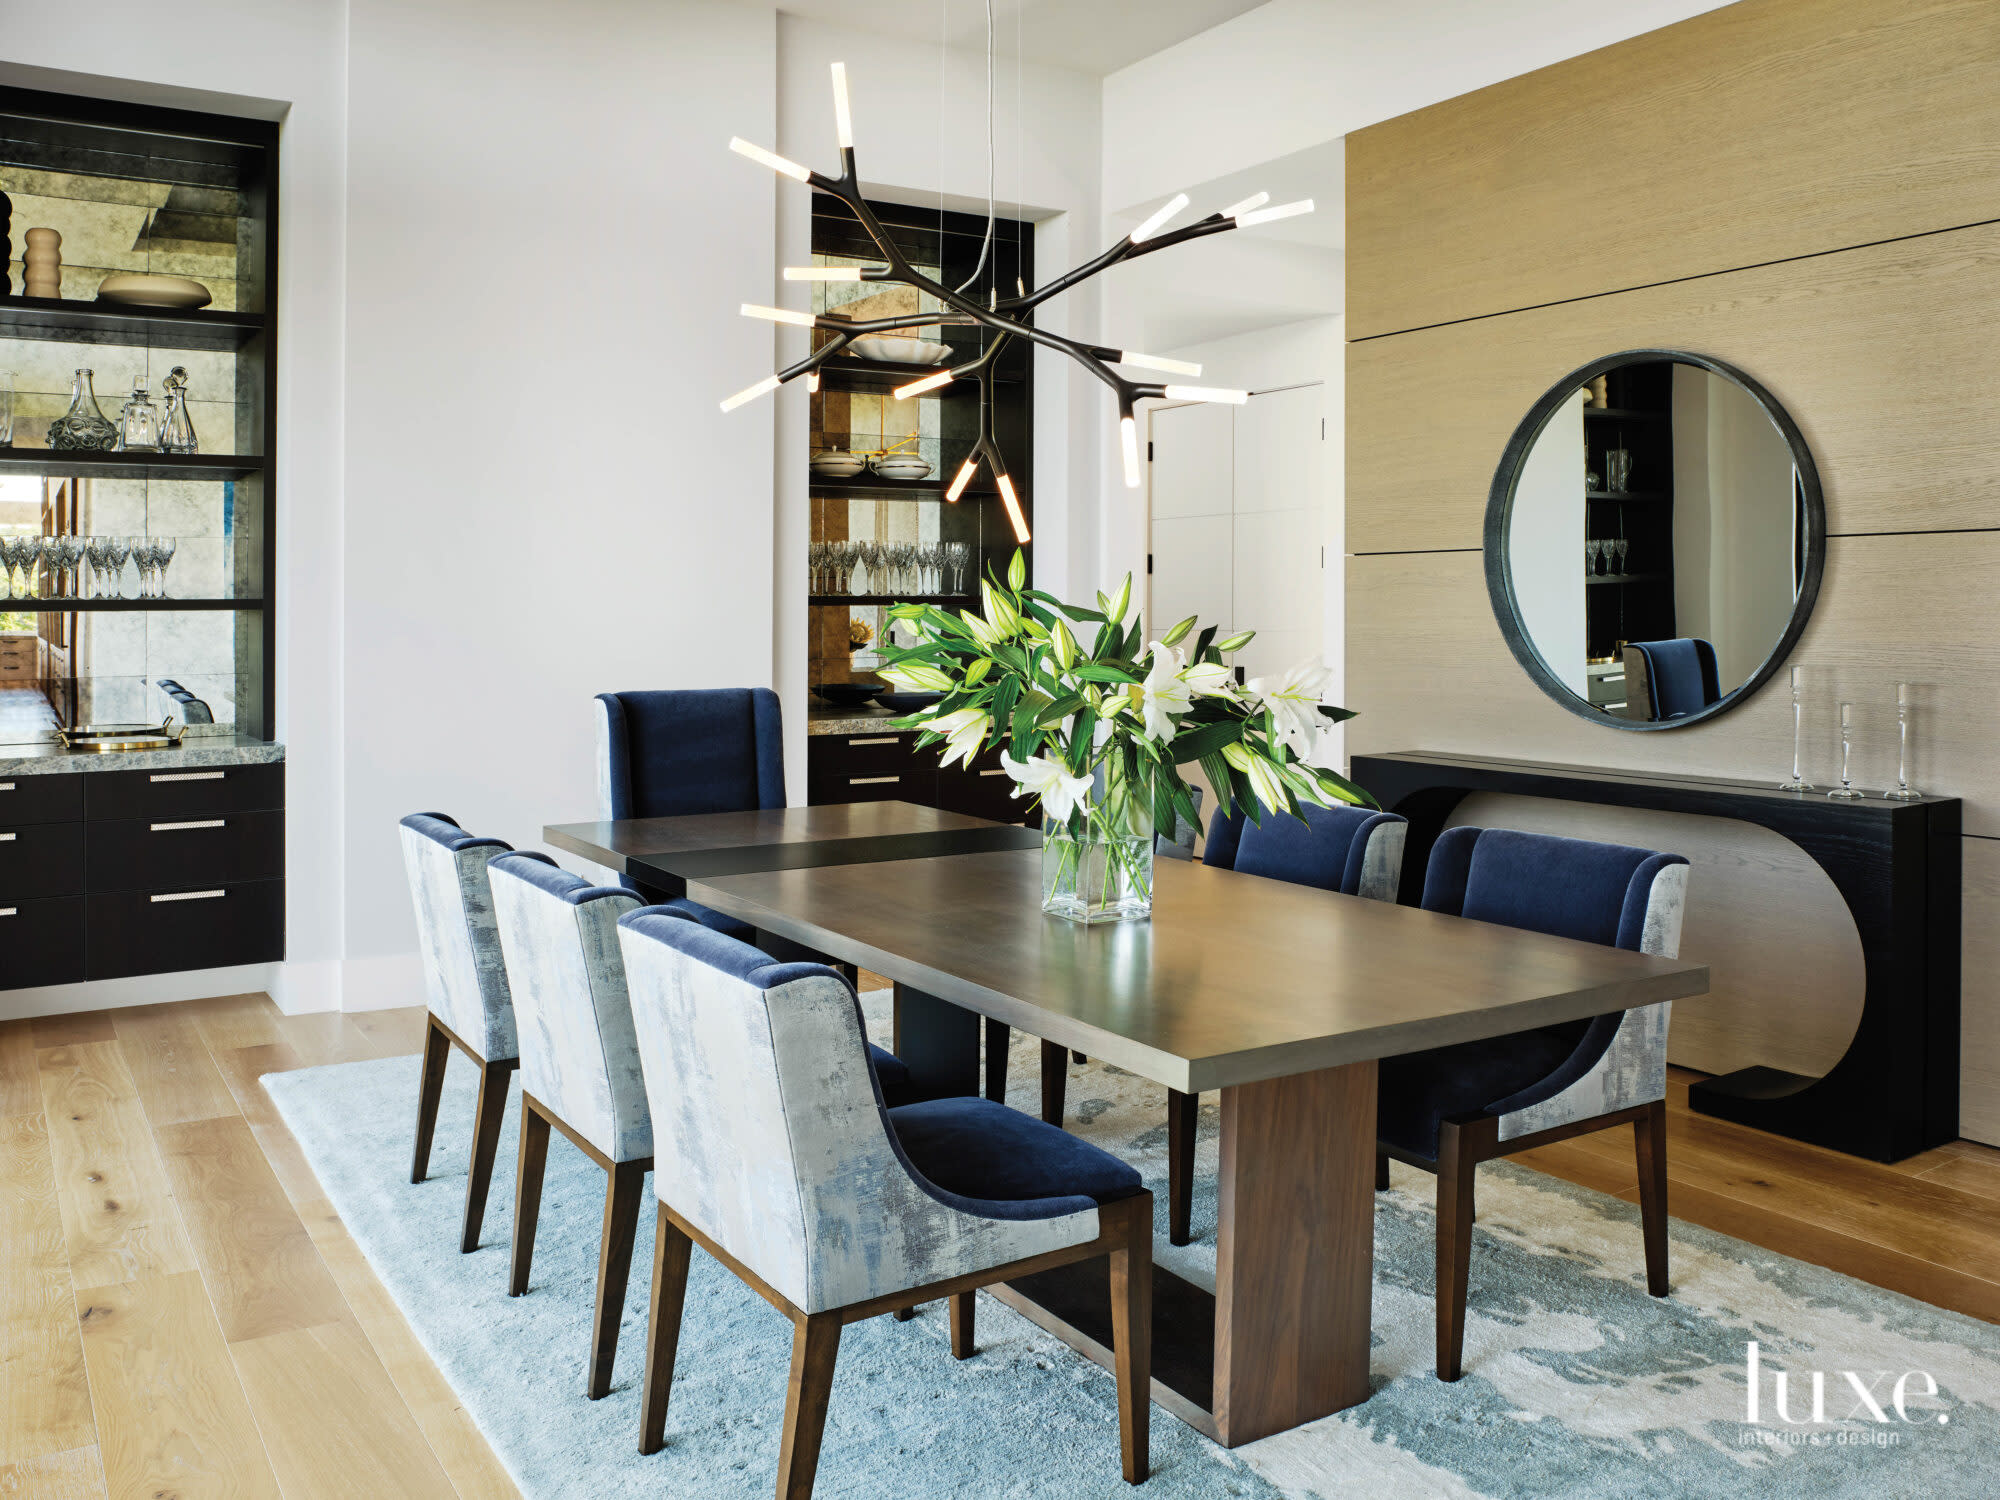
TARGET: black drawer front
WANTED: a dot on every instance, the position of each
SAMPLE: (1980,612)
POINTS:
(159,932)
(865,754)
(981,791)
(908,785)
(40,799)
(41,942)
(171,852)
(40,859)
(171,793)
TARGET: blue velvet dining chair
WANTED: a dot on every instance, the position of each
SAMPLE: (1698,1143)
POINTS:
(579,1067)
(1450,1108)
(465,982)
(1356,851)
(1672,678)
(779,1155)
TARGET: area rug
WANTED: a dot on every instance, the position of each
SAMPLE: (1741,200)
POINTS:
(1577,1383)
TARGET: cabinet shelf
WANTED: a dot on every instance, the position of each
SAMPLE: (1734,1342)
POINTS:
(91,464)
(888,599)
(877,488)
(1624,414)
(1628,495)
(80,606)
(1597,578)
(81,322)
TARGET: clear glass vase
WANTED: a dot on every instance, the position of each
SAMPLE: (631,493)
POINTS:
(1099,866)
(84,426)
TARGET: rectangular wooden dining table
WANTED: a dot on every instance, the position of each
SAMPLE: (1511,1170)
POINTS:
(1282,997)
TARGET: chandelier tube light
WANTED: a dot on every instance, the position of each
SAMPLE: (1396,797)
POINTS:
(1007,318)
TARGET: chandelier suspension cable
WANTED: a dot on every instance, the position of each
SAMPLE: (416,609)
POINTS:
(1007,318)
(985,245)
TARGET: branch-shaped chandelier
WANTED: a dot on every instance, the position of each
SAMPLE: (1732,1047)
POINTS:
(1009,318)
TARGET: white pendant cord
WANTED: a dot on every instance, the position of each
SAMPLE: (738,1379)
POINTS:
(986,245)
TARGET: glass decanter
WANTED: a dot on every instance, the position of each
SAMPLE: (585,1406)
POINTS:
(83,426)
(138,423)
(177,428)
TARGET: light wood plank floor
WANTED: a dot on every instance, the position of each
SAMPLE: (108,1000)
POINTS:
(181,1311)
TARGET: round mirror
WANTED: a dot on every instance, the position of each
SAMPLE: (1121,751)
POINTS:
(1654,539)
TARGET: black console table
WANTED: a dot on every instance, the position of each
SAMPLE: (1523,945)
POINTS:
(1896,865)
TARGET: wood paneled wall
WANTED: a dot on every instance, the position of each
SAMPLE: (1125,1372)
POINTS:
(1809,190)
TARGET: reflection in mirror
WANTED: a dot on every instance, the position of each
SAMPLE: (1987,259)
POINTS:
(1657,542)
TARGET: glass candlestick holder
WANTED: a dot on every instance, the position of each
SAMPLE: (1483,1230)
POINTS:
(1904,792)
(1845,791)
(1798,783)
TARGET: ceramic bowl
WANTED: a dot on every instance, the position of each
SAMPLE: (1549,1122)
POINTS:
(138,290)
(903,466)
(847,694)
(907,703)
(834,464)
(896,351)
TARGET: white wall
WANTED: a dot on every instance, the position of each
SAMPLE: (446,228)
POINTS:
(1545,546)
(544,500)
(272,61)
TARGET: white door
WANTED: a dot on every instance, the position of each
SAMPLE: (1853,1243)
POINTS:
(1279,467)
(1191,542)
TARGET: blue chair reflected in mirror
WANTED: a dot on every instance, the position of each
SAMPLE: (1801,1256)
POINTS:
(1447,1109)
(1670,679)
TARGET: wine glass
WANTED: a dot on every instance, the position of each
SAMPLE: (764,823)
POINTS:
(1619,549)
(116,550)
(95,551)
(163,554)
(1592,551)
(9,556)
(142,555)
(27,552)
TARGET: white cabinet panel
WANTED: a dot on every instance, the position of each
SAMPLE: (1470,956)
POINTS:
(1280,451)
(1277,572)
(1191,572)
(1191,461)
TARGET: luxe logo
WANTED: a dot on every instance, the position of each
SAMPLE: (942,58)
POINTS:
(1866,1403)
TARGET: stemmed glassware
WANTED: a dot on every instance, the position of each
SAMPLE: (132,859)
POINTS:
(875,569)
(96,551)
(1798,783)
(1592,551)
(1903,792)
(60,557)
(1618,550)
(117,549)
(1845,791)
(10,557)
(163,554)
(27,552)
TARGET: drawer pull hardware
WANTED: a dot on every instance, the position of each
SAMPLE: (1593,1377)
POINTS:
(871,780)
(8,911)
(6,786)
(204,823)
(6,838)
(188,776)
(880,739)
(992,773)
(187,896)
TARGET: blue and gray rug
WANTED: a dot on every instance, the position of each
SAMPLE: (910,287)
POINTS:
(1577,1383)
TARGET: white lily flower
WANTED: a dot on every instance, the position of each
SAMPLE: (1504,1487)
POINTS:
(1038,776)
(1209,679)
(1165,693)
(964,732)
(1264,779)
(915,677)
(1293,702)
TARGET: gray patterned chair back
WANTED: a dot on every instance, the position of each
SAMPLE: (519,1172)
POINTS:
(579,1055)
(770,1136)
(464,974)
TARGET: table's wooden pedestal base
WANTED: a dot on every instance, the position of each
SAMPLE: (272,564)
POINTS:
(1284,1338)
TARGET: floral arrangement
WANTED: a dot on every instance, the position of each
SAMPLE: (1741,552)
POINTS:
(1098,735)
(859,634)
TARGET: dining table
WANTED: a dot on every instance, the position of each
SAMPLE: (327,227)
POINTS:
(1283,997)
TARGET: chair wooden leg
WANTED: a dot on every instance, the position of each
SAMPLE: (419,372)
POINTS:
(1055,1079)
(1182,1112)
(1651,1133)
(1078,1058)
(1381,1171)
(815,1347)
(1455,1166)
(437,1052)
(622,1187)
(903,1314)
(1132,1337)
(998,1035)
(493,1078)
(961,1325)
(528,1172)
(671,1248)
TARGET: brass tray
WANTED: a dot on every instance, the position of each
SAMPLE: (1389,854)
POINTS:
(106,739)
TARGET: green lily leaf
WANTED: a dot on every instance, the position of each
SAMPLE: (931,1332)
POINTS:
(1205,740)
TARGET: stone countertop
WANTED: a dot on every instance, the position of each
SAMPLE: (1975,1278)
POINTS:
(48,758)
(852,721)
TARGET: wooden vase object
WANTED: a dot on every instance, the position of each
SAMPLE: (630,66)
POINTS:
(42,264)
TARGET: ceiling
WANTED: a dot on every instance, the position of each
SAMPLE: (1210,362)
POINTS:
(1090,36)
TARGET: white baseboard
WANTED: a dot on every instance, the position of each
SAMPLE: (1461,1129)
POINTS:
(386,982)
(305,985)
(146,989)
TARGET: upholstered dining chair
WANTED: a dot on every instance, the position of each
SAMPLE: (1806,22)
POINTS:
(579,1067)
(1670,679)
(1450,1108)
(465,980)
(1356,851)
(674,753)
(779,1155)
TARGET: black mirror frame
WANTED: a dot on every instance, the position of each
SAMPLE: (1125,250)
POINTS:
(1500,510)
